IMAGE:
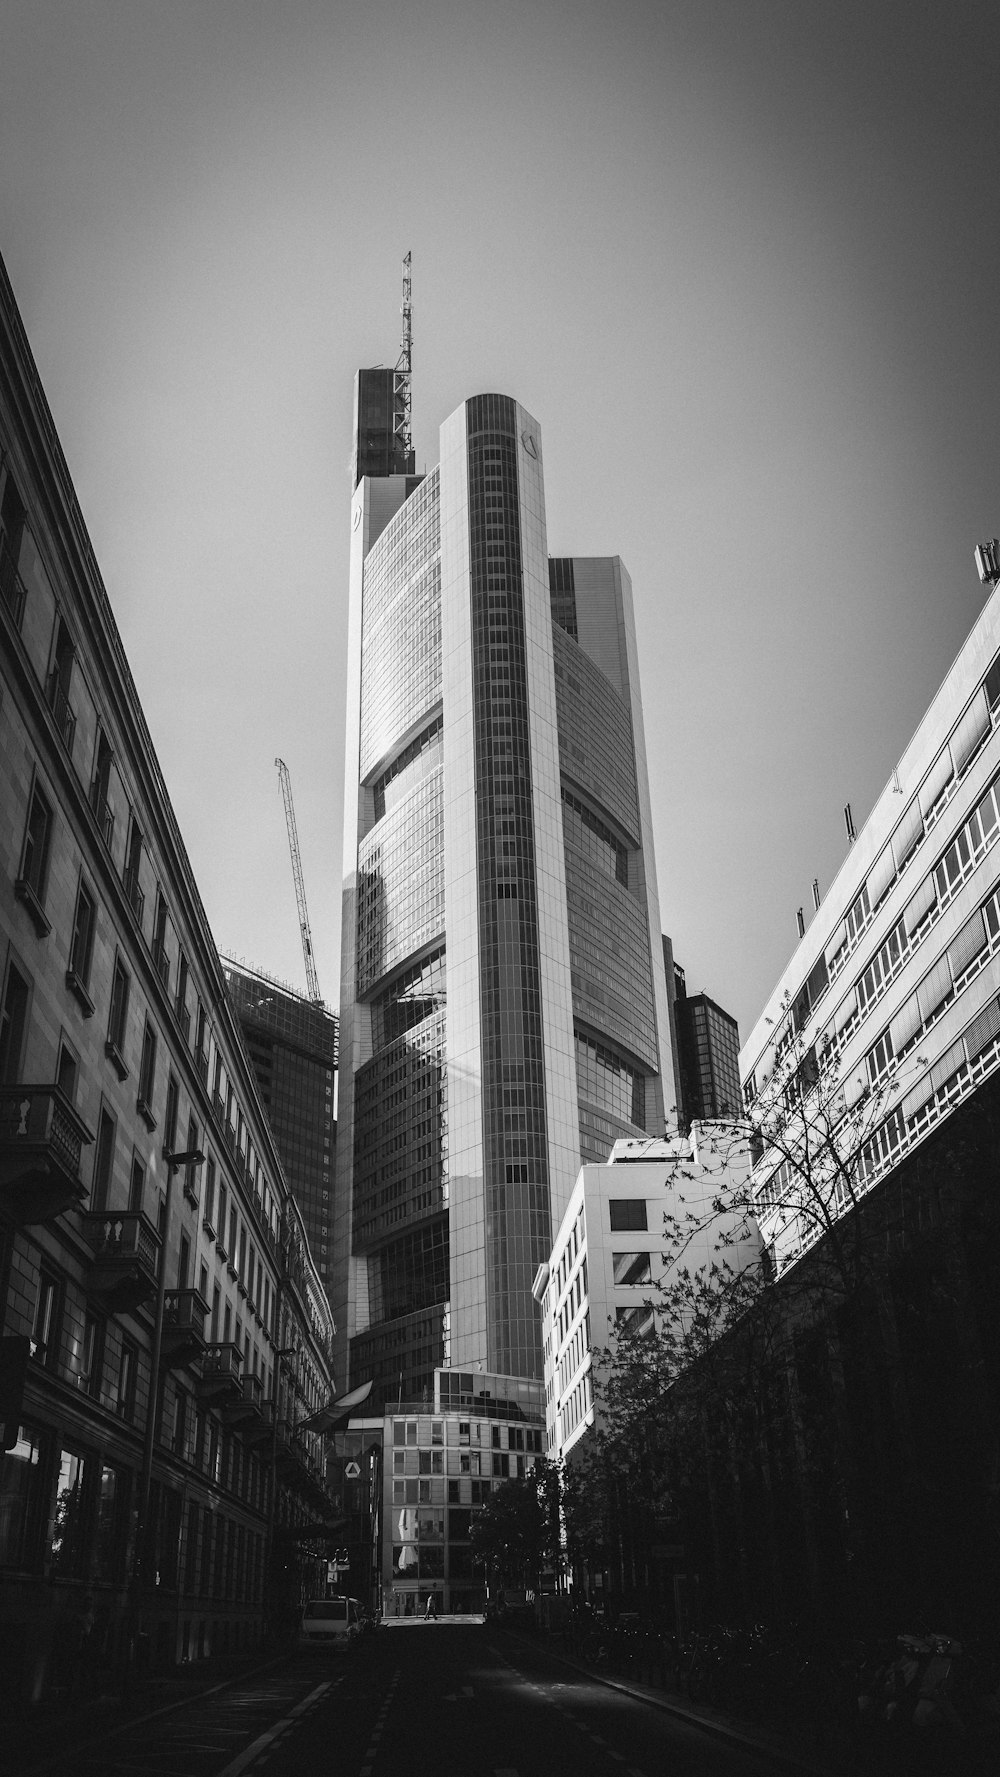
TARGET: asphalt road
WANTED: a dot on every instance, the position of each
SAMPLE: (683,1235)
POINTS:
(448,1698)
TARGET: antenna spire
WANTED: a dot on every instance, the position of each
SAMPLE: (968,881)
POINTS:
(401,403)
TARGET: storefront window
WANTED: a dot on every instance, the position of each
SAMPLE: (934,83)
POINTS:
(108,1539)
(68,1527)
(21,1486)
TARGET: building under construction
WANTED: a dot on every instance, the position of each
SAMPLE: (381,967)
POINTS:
(292,1042)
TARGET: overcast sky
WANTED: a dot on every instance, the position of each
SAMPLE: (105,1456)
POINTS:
(741,258)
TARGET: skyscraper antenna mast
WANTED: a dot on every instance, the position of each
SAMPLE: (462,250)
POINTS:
(401,405)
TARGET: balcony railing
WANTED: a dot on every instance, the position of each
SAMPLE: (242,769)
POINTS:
(125,1246)
(184,1314)
(248,1404)
(221,1371)
(41,1141)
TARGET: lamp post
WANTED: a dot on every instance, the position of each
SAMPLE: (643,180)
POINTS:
(190,1157)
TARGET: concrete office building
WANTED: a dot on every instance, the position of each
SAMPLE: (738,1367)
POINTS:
(608,1255)
(442,1459)
(292,1043)
(503,1004)
(155,1453)
(888,1011)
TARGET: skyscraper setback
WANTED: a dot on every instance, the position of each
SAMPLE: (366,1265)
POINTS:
(503,1005)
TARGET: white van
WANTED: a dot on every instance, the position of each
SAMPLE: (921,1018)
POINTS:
(329,1623)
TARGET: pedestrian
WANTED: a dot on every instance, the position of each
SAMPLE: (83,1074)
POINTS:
(430,1611)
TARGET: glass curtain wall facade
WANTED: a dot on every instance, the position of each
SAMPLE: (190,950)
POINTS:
(503,1003)
(292,1044)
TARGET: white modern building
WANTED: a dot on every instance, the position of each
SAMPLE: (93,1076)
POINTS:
(614,1249)
(887,1016)
(503,1003)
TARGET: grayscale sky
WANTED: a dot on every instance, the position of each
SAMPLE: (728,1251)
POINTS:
(741,258)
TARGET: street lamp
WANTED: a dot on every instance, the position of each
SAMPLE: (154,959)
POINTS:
(189,1157)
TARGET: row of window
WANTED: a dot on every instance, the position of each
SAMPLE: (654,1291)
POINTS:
(919,817)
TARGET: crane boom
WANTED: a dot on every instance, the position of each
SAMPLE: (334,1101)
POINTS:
(300,887)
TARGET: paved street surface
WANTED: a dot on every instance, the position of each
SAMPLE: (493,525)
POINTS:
(447,1697)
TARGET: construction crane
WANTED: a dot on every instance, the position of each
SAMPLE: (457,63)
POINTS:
(300,887)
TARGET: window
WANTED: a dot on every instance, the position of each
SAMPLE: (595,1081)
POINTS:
(24,1501)
(121,983)
(104,1159)
(880,1058)
(45,1326)
(209,1216)
(191,1170)
(67,1071)
(81,948)
(634,1322)
(13,1022)
(147,1076)
(631,1267)
(160,957)
(30,884)
(92,1355)
(170,1115)
(100,785)
(59,681)
(180,1003)
(628,1215)
(110,1525)
(68,1528)
(133,863)
(137,1183)
(125,1391)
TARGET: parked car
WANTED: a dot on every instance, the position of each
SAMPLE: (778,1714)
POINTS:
(329,1624)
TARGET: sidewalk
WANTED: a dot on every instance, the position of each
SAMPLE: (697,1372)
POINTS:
(793,1749)
(35,1737)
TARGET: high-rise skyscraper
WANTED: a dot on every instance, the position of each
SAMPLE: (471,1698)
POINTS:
(292,1043)
(503,1005)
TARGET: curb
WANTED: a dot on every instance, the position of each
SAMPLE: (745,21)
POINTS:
(55,1760)
(745,1738)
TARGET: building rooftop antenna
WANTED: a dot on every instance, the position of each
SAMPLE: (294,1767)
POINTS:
(300,887)
(401,380)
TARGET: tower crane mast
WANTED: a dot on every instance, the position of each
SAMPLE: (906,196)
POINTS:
(300,887)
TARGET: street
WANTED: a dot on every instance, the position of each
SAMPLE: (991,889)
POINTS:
(442,1696)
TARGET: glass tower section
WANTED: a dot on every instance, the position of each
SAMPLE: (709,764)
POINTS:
(503,1003)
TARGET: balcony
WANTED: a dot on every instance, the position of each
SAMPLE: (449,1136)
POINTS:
(248,1405)
(221,1373)
(184,1314)
(257,1428)
(125,1246)
(41,1139)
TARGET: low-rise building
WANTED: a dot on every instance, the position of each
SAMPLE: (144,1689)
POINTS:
(443,1459)
(614,1250)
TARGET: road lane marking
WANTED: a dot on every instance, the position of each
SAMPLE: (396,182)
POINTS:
(253,1751)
